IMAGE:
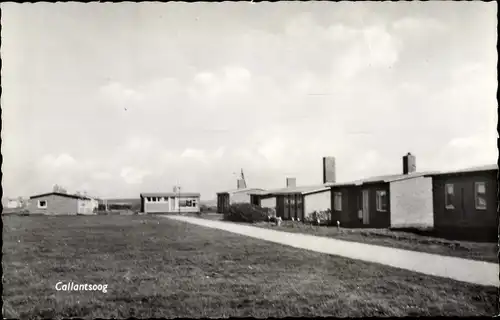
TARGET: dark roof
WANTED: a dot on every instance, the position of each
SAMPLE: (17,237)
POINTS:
(67,195)
(169,194)
(292,190)
(304,190)
(391,178)
(241,190)
(488,167)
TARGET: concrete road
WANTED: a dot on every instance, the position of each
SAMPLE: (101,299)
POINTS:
(471,271)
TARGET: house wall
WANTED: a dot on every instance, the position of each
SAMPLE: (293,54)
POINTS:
(239,197)
(12,204)
(319,201)
(171,205)
(465,217)
(352,202)
(222,202)
(87,206)
(56,205)
(268,202)
(411,203)
(196,208)
(348,203)
(162,206)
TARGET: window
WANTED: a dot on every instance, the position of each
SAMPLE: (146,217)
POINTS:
(148,199)
(480,195)
(42,204)
(381,200)
(193,203)
(449,194)
(337,201)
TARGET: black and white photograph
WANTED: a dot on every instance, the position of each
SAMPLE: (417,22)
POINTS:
(249,159)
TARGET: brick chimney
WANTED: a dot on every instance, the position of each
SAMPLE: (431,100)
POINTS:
(409,163)
(329,170)
(291,182)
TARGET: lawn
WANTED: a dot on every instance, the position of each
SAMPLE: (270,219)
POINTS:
(155,267)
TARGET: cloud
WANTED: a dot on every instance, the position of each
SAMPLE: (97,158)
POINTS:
(63,160)
(209,88)
(370,47)
(118,94)
(133,176)
(420,25)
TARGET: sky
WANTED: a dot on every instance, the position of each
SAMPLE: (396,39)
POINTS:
(121,98)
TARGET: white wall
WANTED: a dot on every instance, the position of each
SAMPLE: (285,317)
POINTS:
(241,197)
(87,206)
(411,203)
(268,203)
(320,201)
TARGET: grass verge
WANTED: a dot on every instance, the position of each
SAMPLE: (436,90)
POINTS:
(156,267)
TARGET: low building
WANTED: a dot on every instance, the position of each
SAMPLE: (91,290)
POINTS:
(240,195)
(56,203)
(170,202)
(299,203)
(465,202)
(390,201)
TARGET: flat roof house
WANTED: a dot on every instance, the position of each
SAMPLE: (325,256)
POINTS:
(56,203)
(241,195)
(397,201)
(170,202)
(465,202)
(300,202)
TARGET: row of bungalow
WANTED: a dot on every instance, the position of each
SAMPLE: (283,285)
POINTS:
(453,202)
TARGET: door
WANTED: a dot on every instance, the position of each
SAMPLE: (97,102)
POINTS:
(300,214)
(286,214)
(366,206)
(280,207)
(293,209)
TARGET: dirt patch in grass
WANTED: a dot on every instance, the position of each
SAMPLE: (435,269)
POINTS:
(156,267)
(483,251)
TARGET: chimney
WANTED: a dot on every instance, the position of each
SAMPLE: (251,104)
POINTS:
(291,182)
(409,164)
(241,184)
(329,170)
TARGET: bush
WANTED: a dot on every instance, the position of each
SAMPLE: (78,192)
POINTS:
(322,216)
(246,212)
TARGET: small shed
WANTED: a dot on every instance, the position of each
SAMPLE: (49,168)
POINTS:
(56,203)
(465,202)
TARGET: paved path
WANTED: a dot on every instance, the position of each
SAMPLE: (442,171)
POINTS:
(478,272)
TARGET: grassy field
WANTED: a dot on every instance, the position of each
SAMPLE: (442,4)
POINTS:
(482,251)
(155,267)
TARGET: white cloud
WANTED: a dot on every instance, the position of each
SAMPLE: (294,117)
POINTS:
(133,176)
(117,93)
(194,154)
(412,24)
(101,176)
(61,160)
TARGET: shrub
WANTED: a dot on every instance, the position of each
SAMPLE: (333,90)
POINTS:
(322,216)
(246,212)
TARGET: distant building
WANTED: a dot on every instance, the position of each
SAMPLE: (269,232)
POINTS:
(465,202)
(170,202)
(55,203)
(13,203)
